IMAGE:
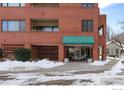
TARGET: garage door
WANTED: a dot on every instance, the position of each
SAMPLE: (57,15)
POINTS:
(50,52)
(9,48)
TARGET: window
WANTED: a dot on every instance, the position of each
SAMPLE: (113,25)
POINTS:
(100,52)
(12,4)
(116,51)
(107,51)
(112,51)
(4,25)
(87,5)
(101,31)
(4,4)
(13,26)
(87,25)
(55,29)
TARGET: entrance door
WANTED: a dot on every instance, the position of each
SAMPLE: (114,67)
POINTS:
(77,54)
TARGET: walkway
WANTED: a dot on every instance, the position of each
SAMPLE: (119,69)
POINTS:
(77,68)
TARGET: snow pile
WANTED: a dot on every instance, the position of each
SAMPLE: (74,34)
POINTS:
(117,68)
(96,62)
(114,58)
(48,64)
(13,65)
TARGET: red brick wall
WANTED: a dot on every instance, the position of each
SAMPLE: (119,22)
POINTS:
(102,39)
(69,16)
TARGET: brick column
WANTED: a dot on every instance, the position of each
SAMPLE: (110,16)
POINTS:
(95,52)
(61,53)
(0,25)
(27,46)
(104,52)
(27,5)
(28,24)
(0,45)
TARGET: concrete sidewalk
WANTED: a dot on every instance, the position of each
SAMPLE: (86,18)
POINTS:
(74,67)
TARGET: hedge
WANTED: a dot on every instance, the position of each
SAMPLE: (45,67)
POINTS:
(1,52)
(22,54)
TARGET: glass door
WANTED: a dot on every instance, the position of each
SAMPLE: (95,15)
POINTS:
(77,54)
(74,53)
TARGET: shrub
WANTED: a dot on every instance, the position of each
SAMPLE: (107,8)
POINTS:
(22,54)
(1,52)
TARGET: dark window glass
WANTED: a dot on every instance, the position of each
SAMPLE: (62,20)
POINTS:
(116,51)
(90,5)
(87,25)
(87,5)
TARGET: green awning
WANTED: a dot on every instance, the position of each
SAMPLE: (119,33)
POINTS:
(88,40)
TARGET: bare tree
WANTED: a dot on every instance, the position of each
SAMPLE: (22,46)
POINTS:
(110,33)
(121,23)
(118,38)
(119,41)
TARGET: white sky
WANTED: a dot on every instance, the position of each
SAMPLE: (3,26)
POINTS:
(103,5)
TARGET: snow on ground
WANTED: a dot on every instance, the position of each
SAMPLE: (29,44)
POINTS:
(115,57)
(96,62)
(18,65)
(81,79)
(110,77)
(117,68)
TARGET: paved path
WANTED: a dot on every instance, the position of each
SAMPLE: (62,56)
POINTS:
(78,68)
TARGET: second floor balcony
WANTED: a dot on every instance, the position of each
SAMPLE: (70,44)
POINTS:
(44,4)
(40,25)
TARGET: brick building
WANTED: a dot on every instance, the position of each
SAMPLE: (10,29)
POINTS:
(54,30)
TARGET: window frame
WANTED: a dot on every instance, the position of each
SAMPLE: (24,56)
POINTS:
(7,5)
(7,26)
(87,5)
(101,28)
(116,51)
(87,29)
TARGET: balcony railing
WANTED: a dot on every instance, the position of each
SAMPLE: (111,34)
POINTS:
(46,28)
(45,4)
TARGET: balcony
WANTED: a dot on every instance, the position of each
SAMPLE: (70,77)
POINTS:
(44,4)
(39,25)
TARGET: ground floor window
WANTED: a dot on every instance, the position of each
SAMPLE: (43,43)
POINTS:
(117,51)
(78,53)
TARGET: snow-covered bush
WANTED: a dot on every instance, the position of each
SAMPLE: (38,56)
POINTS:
(22,54)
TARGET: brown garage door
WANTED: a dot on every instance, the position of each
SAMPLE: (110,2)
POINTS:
(50,52)
(9,48)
